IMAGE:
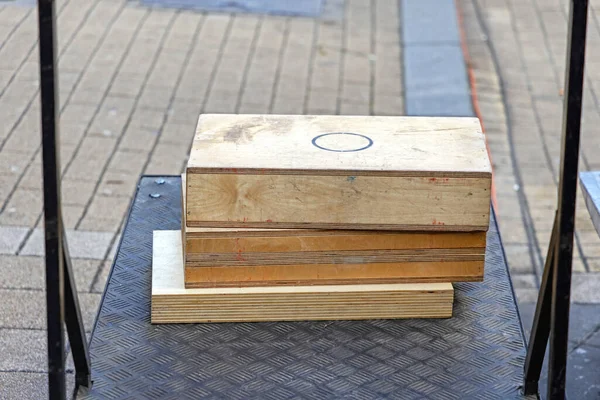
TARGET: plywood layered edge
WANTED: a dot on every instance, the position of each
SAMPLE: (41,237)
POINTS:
(173,303)
(251,242)
(333,274)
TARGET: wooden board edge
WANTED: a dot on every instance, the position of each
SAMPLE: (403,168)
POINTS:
(167,262)
(399,281)
(333,226)
(338,172)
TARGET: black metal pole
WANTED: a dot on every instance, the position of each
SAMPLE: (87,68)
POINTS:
(540,329)
(567,192)
(552,311)
(52,214)
(75,328)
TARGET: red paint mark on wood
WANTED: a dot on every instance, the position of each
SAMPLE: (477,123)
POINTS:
(269,220)
(239,256)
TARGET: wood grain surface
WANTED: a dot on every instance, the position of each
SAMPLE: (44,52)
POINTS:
(334,274)
(338,172)
(338,202)
(281,144)
(224,240)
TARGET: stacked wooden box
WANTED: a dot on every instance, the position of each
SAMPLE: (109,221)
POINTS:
(325,217)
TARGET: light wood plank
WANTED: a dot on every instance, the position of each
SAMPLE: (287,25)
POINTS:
(330,241)
(271,172)
(401,146)
(337,257)
(333,274)
(172,303)
(337,202)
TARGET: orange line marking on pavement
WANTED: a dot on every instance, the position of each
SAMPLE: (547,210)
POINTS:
(473,85)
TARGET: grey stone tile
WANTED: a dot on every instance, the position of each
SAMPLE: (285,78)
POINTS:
(521,281)
(19,272)
(13,163)
(23,349)
(438,105)
(28,272)
(23,309)
(584,288)
(114,248)
(527,311)
(24,385)
(434,70)
(526,295)
(82,244)
(429,21)
(594,340)
(100,282)
(85,271)
(584,320)
(583,380)
(26,309)
(7,184)
(101,225)
(11,238)
(23,208)
(518,258)
(118,183)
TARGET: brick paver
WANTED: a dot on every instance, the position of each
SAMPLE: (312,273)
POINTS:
(133,81)
(517,50)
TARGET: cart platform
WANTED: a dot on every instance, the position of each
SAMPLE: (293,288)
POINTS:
(478,353)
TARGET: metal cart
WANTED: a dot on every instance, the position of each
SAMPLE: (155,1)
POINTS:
(479,353)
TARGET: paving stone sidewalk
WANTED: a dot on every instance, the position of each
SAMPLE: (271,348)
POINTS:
(518,50)
(133,81)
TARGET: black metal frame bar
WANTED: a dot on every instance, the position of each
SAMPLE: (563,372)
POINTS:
(61,293)
(74,322)
(540,330)
(552,310)
(52,211)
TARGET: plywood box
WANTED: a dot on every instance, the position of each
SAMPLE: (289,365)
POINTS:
(173,303)
(339,172)
(227,257)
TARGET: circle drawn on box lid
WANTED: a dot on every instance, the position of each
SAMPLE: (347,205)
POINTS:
(342,142)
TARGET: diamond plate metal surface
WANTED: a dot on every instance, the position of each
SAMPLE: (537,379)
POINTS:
(477,354)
